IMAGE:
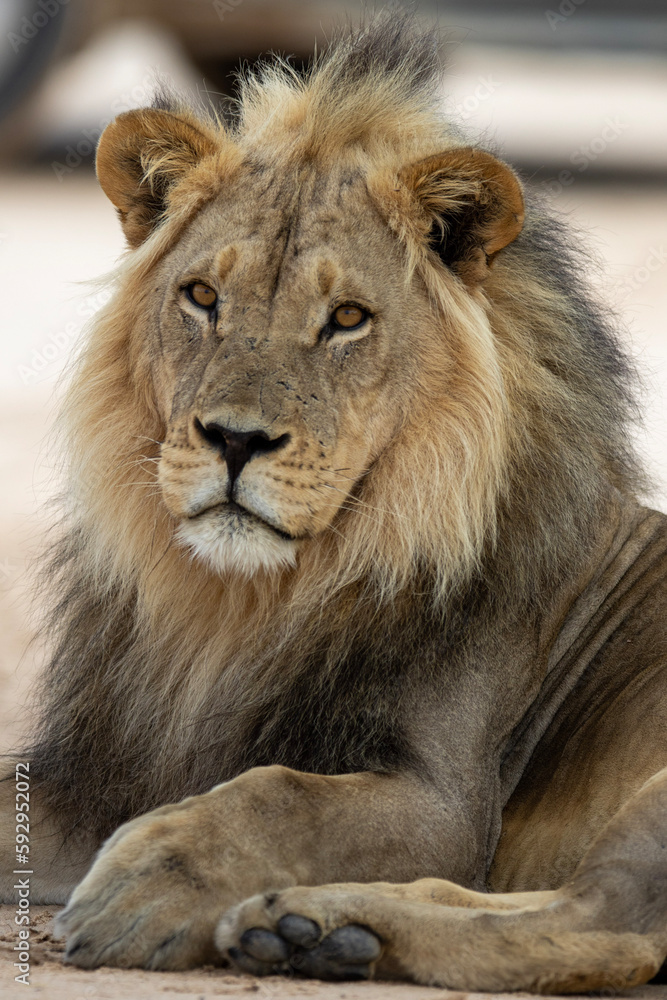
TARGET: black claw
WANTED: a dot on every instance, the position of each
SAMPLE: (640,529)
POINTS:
(312,964)
(248,964)
(351,944)
(299,930)
(264,945)
(164,949)
(350,973)
(298,960)
(63,922)
(74,947)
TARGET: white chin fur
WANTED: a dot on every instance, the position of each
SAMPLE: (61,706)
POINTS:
(227,542)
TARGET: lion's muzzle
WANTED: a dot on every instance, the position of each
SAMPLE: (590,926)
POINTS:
(238,447)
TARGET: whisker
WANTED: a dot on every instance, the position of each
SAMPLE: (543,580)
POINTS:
(362,503)
(353,510)
(353,479)
(140,461)
(152,483)
(144,437)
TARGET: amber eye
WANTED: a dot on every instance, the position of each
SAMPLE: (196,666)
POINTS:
(202,295)
(348,317)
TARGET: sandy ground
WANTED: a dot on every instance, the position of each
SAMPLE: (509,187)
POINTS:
(77,239)
(52,980)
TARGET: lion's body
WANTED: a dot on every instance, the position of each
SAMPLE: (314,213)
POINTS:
(404,560)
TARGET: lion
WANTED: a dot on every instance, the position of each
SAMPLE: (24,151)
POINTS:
(359,625)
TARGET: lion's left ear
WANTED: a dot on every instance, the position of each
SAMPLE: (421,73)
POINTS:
(140,156)
(470,206)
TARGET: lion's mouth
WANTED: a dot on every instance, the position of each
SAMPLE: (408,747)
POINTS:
(243,513)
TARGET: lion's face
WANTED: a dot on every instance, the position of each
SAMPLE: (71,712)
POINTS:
(290,327)
(283,384)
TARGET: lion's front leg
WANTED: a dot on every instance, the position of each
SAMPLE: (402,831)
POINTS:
(162,882)
(605,929)
(354,932)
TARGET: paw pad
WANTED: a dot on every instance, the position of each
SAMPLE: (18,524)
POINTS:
(264,945)
(347,953)
(299,930)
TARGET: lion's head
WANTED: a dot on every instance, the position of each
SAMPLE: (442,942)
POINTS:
(309,307)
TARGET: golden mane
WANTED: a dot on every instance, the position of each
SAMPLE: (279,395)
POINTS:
(493,489)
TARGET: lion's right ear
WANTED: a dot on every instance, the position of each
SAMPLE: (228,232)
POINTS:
(140,155)
(463,203)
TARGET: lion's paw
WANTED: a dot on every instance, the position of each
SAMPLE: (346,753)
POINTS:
(146,902)
(298,930)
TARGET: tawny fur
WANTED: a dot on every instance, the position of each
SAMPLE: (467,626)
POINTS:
(519,407)
(416,630)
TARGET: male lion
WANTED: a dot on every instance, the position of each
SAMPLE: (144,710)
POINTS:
(354,561)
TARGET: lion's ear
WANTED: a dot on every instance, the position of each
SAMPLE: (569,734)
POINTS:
(470,206)
(140,155)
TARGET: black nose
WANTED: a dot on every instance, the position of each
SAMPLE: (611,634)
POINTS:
(238,447)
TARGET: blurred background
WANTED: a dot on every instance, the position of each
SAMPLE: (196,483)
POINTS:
(572,92)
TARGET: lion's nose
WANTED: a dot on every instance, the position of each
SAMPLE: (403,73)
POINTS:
(238,447)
